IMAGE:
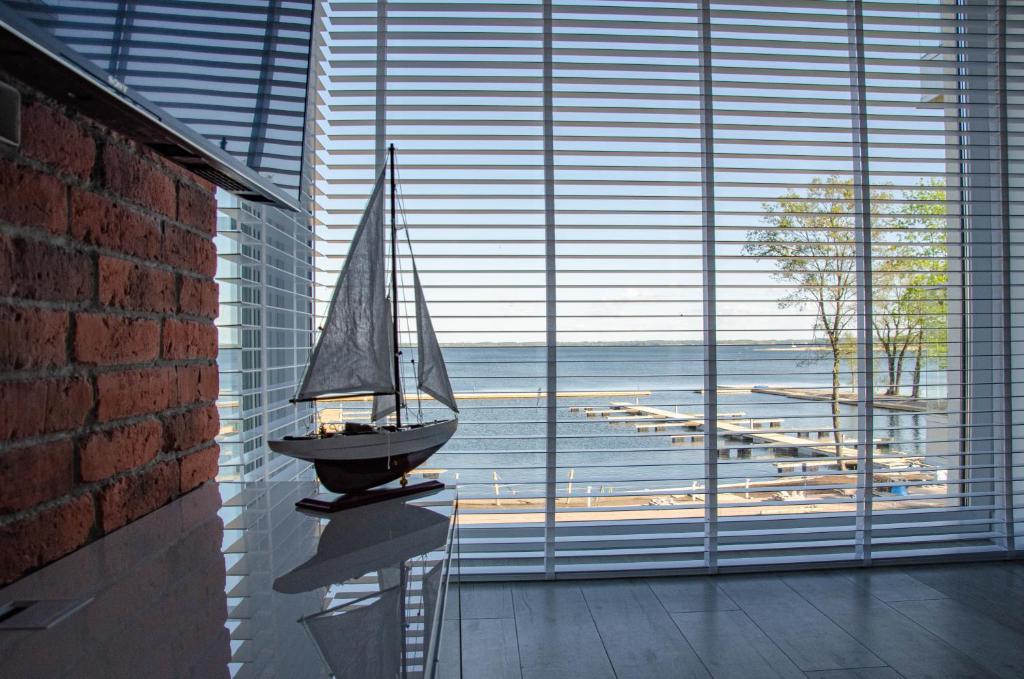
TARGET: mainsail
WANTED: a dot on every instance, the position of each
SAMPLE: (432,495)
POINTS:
(354,352)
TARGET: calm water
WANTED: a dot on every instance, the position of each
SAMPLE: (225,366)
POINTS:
(507,436)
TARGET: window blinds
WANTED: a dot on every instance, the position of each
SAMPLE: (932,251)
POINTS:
(721,285)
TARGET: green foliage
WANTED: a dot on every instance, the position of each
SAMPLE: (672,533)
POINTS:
(810,237)
(910,275)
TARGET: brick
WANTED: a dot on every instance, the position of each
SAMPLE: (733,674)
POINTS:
(188,339)
(106,453)
(128,173)
(99,221)
(184,249)
(43,407)
(38,539)
(136,495)
(198,468)
(32,338)
(128,285)
(21,413)
(52,138)
(134,392)
(32,269)
(190,429)
(197,383)
(35,474)
(68,404)
(31,198)
(199,297)
(108,340)
(197,208)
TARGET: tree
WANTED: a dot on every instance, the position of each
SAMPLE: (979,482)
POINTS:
(810,237)
(910,274)
(896,329)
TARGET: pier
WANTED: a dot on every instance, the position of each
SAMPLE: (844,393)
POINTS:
(902,403)
(882,401)
(767,435)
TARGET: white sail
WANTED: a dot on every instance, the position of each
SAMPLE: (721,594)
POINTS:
(433,374)
(354,354)
(383,405)
(349,651)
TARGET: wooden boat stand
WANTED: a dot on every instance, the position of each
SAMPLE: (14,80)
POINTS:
(327,503)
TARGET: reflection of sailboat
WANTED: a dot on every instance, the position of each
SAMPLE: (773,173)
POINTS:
(383,547)
(366,539)
(358,353)
(340,634)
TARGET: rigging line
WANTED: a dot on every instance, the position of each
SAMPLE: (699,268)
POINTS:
(412,259)
(404,227)
(404,330)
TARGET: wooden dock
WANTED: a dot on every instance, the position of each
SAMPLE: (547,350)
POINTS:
(903,403)
(750,434)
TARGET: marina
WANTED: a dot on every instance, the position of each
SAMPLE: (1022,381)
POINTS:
(769,463)
(762,435)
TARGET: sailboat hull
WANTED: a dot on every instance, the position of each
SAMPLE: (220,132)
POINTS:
(353,476)
(351,463)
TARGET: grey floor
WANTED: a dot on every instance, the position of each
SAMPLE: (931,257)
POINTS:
(928,621)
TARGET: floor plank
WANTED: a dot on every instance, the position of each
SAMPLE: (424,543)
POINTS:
(891,584)
(486,600)
(988,588)
(858,673)
(448,656)
(638,635)
(733,647)
(688,594)
(757,590)
(557,636)
(490,649)
(989,642)
(809,638)
(901,643)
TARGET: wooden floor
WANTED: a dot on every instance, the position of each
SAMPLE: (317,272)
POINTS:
(929,621)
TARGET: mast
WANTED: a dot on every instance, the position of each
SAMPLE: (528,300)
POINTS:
(394,295)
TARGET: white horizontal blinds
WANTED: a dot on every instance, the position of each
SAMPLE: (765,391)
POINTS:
(788,223)
(934,145)
(832,197)
(464,108)
(234,70)
(627,156)
(1014,153)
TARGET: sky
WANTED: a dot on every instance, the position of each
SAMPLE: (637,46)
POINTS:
(464,110)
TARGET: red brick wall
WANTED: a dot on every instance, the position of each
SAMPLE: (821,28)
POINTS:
(107,344)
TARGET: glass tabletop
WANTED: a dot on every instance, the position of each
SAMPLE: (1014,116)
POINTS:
(233,581)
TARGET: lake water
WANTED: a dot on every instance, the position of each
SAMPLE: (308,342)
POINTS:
(507,437)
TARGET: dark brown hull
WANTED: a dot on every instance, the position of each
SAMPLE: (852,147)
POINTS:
(355,476)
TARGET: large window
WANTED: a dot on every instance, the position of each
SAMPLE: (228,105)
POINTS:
(720,284)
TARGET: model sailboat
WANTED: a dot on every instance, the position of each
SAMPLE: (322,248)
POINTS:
(358,354)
